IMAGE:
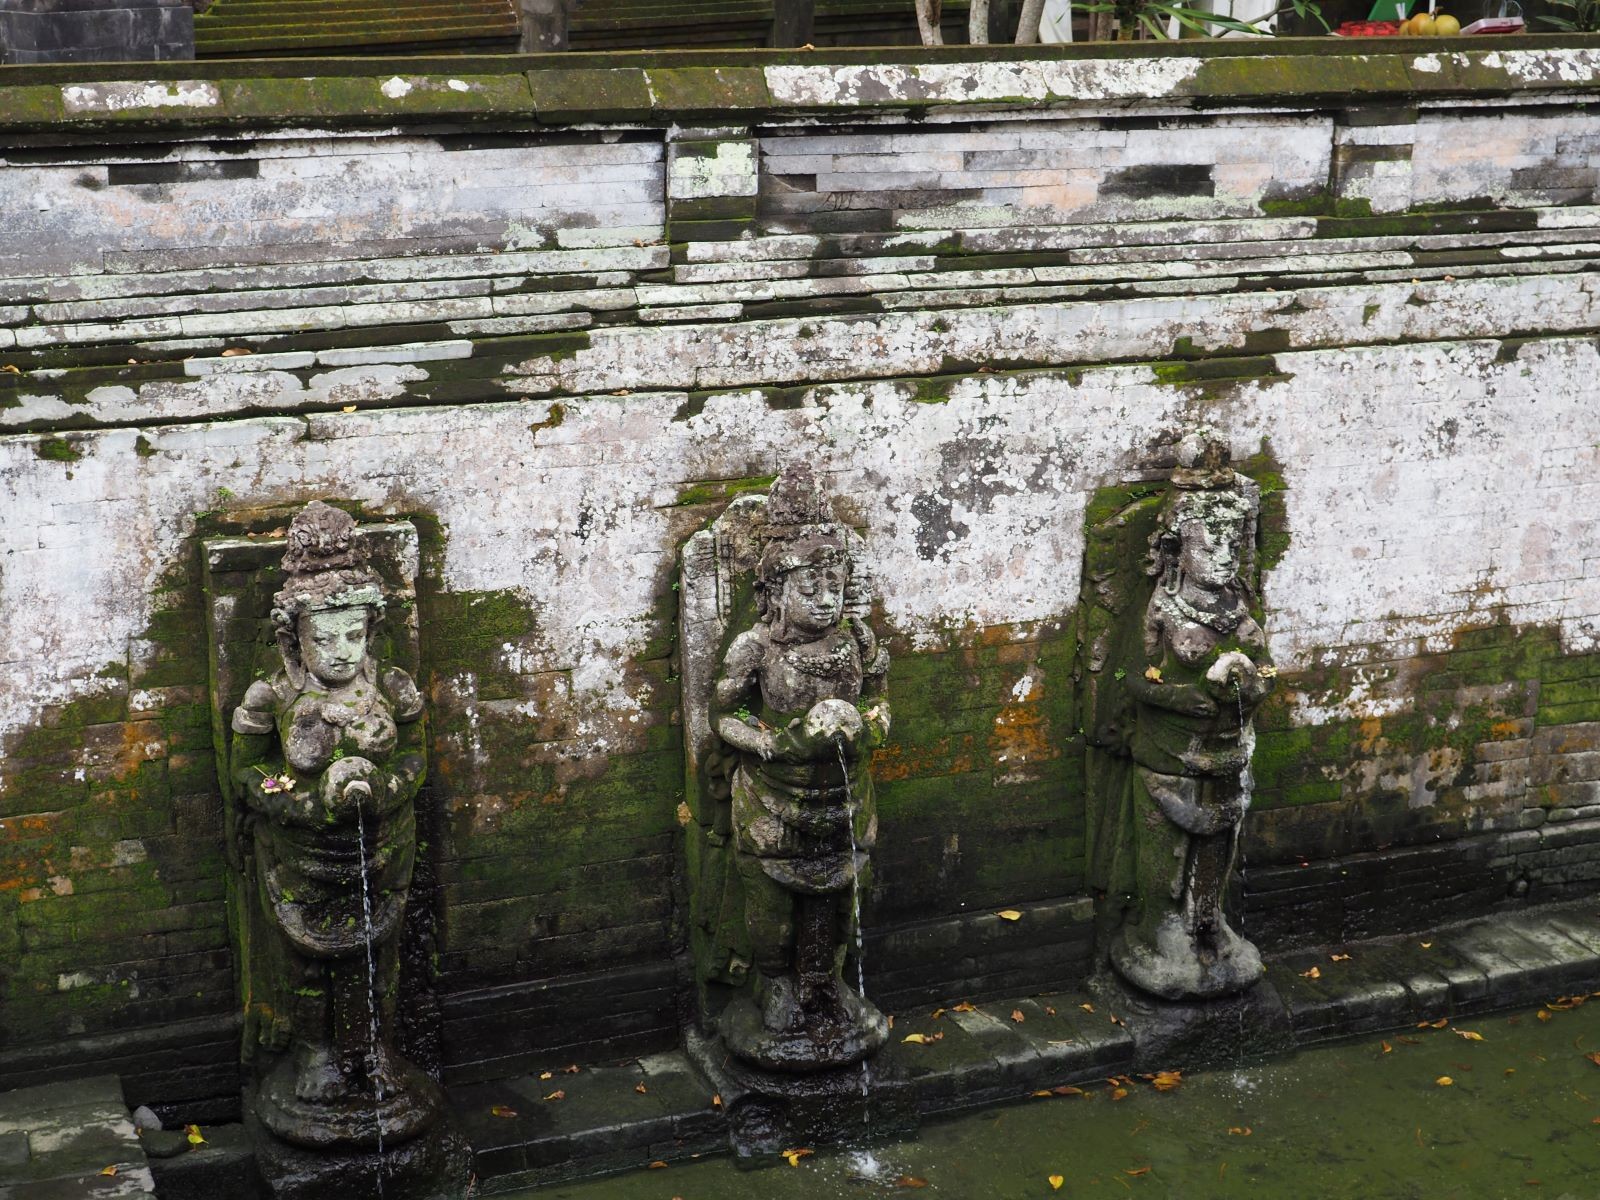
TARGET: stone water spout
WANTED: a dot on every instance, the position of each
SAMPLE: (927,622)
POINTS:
(1178,664)
(785,704)
(328,752)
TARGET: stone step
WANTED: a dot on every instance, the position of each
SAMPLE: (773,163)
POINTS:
(62,1141)
(965,1055)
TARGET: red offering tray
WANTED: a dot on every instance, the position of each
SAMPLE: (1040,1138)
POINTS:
(1367,29)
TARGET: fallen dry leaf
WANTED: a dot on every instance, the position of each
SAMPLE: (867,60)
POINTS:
(1314,973)
(1153,674)
(547,1074)
(1067,1089)
(793,1157)
(1444,1081)
(572,1070)
(1087,1007)
(1137,1171)
(1240,1130)
(501,1110)
(11,369)
(1387,1049)
(658,1165)
(1426,945)
(1468,1035)
(231,352)
(936,1013)
(195,1136)
(348,408)
(916,1039)
(1116,1020)
(558,1094)
(716,1101)
(111,1170)
(1009,914)
(1594,1057)
(1544,1014)
(1440,1023)
(1048,1011)
(910,1181)
(1120,1093)
(1339,957)
(963,1007)
(1056,1181)
(641,1089)
(1046,1092)
(1016,1015)
(1165,1081)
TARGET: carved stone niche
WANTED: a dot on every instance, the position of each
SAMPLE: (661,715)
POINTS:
(322,740)
(783,704)
(1173,666)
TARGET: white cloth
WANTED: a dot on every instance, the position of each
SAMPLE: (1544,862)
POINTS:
(1055,24)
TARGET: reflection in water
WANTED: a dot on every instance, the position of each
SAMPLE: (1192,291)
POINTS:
(1521,1118)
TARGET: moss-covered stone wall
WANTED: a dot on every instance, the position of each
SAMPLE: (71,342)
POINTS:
(975,292)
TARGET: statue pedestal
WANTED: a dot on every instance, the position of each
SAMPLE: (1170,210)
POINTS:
(47,31)
(771,1111)
(1226,1031)
(434,1166)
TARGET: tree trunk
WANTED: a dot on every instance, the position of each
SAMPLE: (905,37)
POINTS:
(1028,23)
(793,22)
(978,23)
(929,13)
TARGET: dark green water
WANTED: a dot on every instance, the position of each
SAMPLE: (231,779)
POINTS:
(1521,1119)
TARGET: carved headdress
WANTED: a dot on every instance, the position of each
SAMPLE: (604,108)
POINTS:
(1205,487)
(324,568)
(802,531)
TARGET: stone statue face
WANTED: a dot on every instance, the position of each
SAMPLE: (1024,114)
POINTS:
(812,598)
(1209,555)
(333,643)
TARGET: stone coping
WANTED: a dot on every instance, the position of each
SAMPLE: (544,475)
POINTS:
(660,88)
(585,1120)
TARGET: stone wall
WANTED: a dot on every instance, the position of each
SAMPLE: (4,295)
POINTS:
(556,319)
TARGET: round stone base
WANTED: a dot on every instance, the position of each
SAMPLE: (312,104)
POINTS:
(820,1045)
(436,1165)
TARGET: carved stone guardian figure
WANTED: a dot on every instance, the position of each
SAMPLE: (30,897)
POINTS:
(1180,668)
(327,755)
(784,699)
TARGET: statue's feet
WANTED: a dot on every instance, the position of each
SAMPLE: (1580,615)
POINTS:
(1169,961)
(317,1077)
(1234,962)
(781,1010)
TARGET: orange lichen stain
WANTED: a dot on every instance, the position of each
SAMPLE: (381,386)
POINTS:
(1021,735)
(1371,734)
(1502,730)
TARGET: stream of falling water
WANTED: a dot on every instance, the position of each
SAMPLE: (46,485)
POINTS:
(855,919)
(372,992)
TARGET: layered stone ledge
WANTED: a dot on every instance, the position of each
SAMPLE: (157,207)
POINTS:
(757,85)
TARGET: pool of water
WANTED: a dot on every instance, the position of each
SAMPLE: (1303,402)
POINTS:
(1372,1118)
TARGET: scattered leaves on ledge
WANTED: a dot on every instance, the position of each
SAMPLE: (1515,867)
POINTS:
(793,1157)
(501,1110)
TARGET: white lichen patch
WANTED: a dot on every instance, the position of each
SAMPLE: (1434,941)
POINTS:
(79,98)
(396,88)
(1087,80)
(730,171)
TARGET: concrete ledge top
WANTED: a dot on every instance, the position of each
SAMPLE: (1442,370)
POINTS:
(661,88)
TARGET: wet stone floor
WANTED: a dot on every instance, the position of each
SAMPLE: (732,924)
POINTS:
(1482,1109)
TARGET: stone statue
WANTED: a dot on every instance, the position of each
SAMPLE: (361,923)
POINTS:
(327,757)
(1191,669)
(784,685)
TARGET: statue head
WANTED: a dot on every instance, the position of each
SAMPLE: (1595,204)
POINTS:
(804,574)
(324,613)
(1205,533)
